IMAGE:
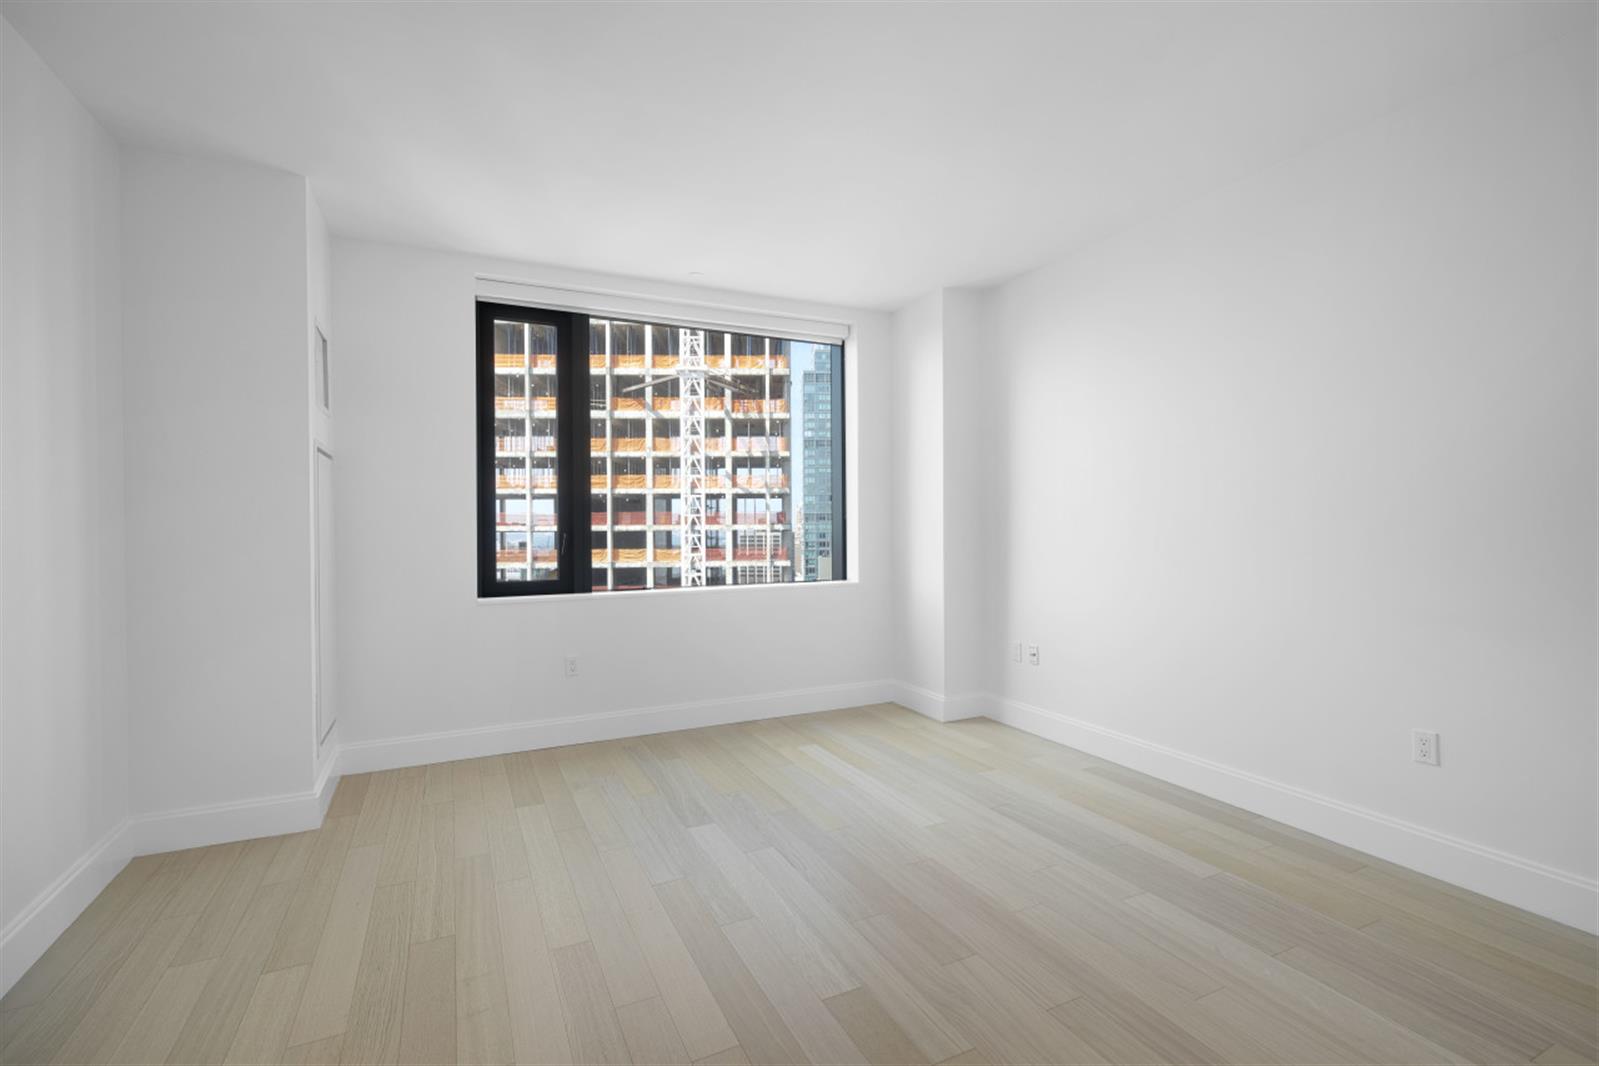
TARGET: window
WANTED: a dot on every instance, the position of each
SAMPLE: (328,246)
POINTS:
(618,455)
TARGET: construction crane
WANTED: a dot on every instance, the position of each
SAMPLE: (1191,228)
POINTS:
(692,375)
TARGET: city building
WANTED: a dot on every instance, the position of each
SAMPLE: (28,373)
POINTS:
(637,447)
(816,449)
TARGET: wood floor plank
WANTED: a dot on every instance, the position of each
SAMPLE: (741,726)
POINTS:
(349,796)
(497,795)
(372,824)
(592,1027)
(208,1034)
(507,847)
(1564,1006)
(263,1033)
(372,1032)
(990,1009)
(324,1052)
(523,780)
(561,811)
(433,904)
(654,854)
(760,1028)
(403,837)
(934,1035)
(437,786)
(817,1031)
(872,1030)
(471,826)
(482,1009)
(427,1025)
(558,904)
(627,972)
(801,945)
(312,896)
(466,784)
(150,1036)
(698,1017)
(203,880)
(538,1020)
(651,1037)
(1316,1006)
(597,817)
(123,997)
(330,986)
(222,914)
(289,863)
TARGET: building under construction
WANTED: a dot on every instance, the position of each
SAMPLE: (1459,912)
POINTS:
(690,461)
(646,433)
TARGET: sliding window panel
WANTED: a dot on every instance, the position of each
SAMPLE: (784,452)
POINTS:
(527,529)
(815,428)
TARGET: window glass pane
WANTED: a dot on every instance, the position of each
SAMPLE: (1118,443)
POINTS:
(818,459)
(526,452)
(696,467)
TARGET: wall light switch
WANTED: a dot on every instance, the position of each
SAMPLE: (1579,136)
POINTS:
(1032,655)
(571,666)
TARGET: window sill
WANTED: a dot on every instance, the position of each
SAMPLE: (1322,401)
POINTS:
(629,594)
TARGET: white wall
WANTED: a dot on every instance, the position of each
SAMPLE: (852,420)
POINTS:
(940,570)
(419,654)
(319,318)
(918,498)
(63,652)
(968,569)
(216,291)
(1310,461)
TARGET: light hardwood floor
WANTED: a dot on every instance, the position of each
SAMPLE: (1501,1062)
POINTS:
(859,886)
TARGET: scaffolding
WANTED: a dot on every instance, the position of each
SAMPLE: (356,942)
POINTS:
(691,376)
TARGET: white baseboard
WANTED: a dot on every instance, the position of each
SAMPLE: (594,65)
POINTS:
(44,919)
(1558,894)
(220,823)
(939,706)
(369,755)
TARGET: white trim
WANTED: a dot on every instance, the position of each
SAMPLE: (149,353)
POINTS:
(220,823)
(623,595)
(1558,894)
(370,755)
(940,706)
(667,310)
(47,916)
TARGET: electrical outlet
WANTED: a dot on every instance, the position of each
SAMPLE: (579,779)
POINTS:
(1424,747)
(571,666)
(1032,655)
(1016,652)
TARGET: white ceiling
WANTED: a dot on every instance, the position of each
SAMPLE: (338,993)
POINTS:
(858,153)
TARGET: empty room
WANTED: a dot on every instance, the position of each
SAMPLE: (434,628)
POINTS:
(829,532)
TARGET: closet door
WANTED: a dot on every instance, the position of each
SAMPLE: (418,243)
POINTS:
(326,709)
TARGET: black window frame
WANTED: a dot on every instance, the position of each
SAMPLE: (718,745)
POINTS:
(572,452)
(573,514)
